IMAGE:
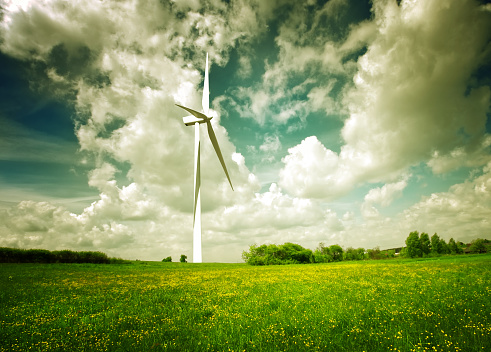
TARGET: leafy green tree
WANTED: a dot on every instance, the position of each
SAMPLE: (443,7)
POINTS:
(288,253)
(350,254)
(413,245)
(322,254)
(183,258)
(435,244)
(444,247)
(354,254)
(361,253)
(296,253)
(462,246)
(336,252)
(453,247)
(167,260)
(374,253)
(403,253)
(425,243)
(477,246)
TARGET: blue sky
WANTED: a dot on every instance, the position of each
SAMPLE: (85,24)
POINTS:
(348,122)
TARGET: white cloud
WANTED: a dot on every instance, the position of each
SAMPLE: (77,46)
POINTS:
(311,170)
(461,213)
(411,101)
(386,194)
(270,147)
(383,196)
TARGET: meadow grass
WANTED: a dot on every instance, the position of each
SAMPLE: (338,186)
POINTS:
(441,304)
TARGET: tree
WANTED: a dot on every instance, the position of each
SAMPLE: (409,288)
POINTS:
(354,254)
(336,252)
(461,245)
(413,245)
(322,254)
(374,253)
(452,246)
(350,254)
(444,247)
(435,244)
(295,253)
(167,260)
(361,253)
(425,243)
(183,258)
(288,253)
(477,246)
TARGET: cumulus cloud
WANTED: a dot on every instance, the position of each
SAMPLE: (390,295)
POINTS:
(386,194)
(43,225)
(383,196)
(409,99)
(412,101)
(462,210)
(125,66)
(309,171)
(461,213)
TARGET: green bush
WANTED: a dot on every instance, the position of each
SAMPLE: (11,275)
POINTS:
(288,253)
(15,255)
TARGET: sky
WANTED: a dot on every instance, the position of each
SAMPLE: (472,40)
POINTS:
(346,122)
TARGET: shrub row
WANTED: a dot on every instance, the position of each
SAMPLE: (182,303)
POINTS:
(16,255)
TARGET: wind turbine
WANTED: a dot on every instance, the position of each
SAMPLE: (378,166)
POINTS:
(196,119)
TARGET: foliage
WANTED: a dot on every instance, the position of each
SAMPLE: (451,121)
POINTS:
(167,260)
(354,254)
(336,252)
(322,254)
(416,246)
(413,245)
(388,254)
(183,258)
(16,255)
(452,246)
(288,253)
(424,240)
(374,253)
(374,306)
(478,246)
(435,244)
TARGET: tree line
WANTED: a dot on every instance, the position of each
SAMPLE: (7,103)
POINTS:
(16,255)
(416,246)
(292,253)
(421,245)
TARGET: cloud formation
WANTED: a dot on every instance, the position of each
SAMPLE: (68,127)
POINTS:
(398,105)
(403,96)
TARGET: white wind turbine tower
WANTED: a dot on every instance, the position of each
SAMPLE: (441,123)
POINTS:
(196,119)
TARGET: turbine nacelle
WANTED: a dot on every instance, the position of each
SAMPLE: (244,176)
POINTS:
(196,117)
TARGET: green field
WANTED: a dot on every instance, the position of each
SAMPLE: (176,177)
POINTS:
(442,304)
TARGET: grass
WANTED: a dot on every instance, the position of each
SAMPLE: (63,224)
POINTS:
(441,304)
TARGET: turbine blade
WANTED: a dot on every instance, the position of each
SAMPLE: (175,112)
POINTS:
(205,102)
(214,141)
(198,114)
